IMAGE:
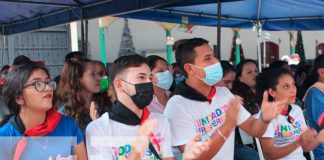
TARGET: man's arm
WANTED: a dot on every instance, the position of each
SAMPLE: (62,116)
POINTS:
(216,142)
(254,127)
(218,139)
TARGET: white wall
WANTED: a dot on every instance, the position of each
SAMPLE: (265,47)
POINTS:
(148,35)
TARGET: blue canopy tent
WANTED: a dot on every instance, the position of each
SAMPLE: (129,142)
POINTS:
(273,15)
(18,16)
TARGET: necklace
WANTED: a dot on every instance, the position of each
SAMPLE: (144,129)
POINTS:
(39,144)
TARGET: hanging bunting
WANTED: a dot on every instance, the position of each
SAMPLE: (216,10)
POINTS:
(187,28)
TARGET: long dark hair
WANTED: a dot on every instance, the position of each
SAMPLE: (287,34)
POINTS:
(243,90)
(69,88)
(14,85)
(270,79)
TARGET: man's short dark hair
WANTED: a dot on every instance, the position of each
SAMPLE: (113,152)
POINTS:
(123,63)
(185,52)
(19,60)
(73,55)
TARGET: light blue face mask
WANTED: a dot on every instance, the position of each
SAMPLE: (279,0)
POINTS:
(214,73)
(164,79)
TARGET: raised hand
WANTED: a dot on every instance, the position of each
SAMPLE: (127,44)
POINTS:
(93,111)
(194,148)
(270,110)
(144,132)
(232,112)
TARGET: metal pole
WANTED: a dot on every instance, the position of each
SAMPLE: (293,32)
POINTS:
(86,38)
(219,12)
(82,34)
(259,28)
(4,48)
(264,52)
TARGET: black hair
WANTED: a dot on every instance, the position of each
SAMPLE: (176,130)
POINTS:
(239,67)
(278,64)
(185,52)
(318,63)
(270,79)
(151,61)
(5,67)
(14,85)
(19,60)
(71,55)
(123,63)
(227,67)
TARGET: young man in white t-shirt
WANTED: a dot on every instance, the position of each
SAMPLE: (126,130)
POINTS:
(118,134)
(198,105)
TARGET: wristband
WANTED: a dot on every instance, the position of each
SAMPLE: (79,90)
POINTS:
(221,134)
(262,119)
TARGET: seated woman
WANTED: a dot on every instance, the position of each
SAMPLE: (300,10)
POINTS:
(244,87)
(34,129)
(287,135)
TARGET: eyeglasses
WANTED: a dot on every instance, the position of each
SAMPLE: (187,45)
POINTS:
(41,86)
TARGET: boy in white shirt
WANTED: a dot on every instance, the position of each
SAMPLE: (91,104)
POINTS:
(117,134)
(198,105)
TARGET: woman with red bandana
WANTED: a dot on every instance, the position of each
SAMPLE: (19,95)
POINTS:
(34,129)
(288,135)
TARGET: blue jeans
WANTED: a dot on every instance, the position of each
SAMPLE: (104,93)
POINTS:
(245,153)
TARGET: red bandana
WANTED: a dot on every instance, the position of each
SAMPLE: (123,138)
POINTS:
(211,94)
(52,119)
(285,113)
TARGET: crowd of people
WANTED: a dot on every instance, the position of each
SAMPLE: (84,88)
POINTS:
(198,108)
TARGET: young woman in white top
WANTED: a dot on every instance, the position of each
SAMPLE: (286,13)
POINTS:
(287,135)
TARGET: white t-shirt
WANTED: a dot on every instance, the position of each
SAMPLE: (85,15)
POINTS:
(187,117)
(285,133)
(111,140)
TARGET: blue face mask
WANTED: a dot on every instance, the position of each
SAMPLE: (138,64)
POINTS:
(164,79)
(214,73)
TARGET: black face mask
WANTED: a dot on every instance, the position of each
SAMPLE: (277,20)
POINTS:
(144,94)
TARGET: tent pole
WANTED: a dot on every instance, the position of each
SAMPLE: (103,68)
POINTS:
(82,33)
(86,38)
(4,45)
(259,28)
(219,12)
(264,53)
